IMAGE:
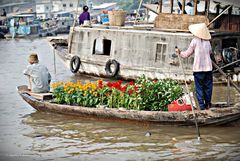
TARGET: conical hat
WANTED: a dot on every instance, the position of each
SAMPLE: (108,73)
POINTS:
(200,30)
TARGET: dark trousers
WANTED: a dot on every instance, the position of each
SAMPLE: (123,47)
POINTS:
(203,85)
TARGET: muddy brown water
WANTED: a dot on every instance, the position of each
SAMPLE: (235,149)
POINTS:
(29,135)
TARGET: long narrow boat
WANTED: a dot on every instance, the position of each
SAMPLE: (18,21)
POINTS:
(213,117)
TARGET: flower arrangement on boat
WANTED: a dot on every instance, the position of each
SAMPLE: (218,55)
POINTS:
(143,94)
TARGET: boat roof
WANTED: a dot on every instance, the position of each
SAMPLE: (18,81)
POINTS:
(63,12)
(135,29)
(103,6)
(12,4)
(155,7)
(25,15)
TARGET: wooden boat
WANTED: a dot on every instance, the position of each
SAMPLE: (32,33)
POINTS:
(128,52)
(215,116)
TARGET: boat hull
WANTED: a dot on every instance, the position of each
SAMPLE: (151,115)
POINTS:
(220,116)
(137,52)
(153,57)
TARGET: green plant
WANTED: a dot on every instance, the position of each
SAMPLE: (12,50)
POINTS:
(145,94)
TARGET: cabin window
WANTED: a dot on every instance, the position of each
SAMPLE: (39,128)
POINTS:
(70,5)
(161,51)
(102,46)
(64,5)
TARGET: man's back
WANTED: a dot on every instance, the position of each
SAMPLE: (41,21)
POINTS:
(40,77)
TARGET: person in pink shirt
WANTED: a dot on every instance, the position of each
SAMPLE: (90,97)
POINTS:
(202,66)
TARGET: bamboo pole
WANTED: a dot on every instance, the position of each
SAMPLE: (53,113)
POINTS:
(227,65)
(219,15)
(54,60)
(221,71)
(71,30)
(229,18)
(183,6)
(206,7)
(195,7)
(140,4)
(160,6)
(171,6)
(190,97)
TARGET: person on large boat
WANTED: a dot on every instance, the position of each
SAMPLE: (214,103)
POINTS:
(38,75)
(189,8)
(4,13)
(202,66)
(85,15)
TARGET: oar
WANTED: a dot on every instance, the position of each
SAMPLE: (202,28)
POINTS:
(185,80)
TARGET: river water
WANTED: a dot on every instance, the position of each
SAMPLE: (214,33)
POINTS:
(29,135)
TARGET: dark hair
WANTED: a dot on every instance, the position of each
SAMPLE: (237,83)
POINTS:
(189,4)
(85,8)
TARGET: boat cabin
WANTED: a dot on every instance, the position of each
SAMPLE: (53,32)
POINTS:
(131,51)
(25,24)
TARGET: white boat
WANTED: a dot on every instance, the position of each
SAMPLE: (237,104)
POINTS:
(128,52)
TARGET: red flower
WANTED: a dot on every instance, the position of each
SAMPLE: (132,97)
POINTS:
(119,82)
(135,88)
(155,80)
(131,83)
(109,84)
(100,83)
(117,85)
(130,91)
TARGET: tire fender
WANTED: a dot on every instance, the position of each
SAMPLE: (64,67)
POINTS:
(75,64)
(116,66)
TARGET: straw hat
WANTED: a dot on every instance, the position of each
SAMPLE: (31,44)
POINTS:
(200,30)
(33,58)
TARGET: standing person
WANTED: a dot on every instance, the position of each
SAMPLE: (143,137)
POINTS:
(85,15)
(4,13)
(189,8)
(38,75)
(202,65)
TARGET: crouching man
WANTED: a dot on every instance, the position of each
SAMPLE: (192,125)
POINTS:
(38,75)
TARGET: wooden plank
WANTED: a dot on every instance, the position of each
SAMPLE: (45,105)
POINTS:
(41,96)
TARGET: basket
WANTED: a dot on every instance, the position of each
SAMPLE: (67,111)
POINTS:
(117,18)
(179,105)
